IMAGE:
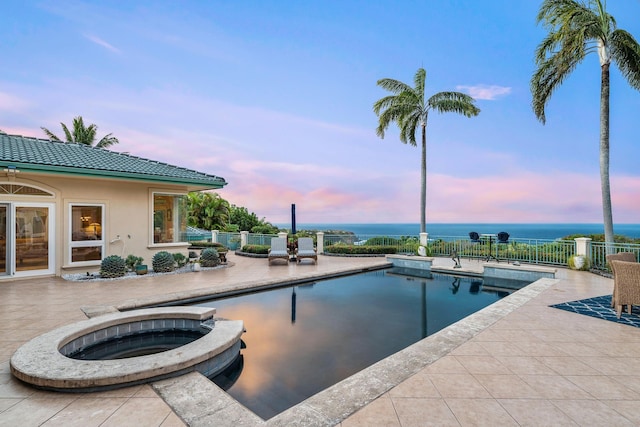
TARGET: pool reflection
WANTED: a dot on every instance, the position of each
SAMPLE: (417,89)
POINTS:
(304,339)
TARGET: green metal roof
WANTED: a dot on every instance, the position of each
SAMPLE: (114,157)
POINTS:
(45,156)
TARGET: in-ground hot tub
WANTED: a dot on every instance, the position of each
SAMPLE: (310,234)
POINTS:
(173,341)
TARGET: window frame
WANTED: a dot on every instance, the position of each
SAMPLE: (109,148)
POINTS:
(71,244)
(175,218)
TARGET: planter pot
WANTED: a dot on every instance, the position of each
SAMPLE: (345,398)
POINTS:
(141,269)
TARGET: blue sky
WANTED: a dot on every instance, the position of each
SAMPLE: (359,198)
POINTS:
(276,97)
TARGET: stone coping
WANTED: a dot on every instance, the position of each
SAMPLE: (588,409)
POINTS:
(39,362)
(199,402)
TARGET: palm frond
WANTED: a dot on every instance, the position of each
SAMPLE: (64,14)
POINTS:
(625,51)
(67,134)
(50,134)
(394,86)
(107,141)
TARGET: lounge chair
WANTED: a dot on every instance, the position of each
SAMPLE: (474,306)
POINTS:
(306,249)
(278,249)
(475,237)
(626,277)
(620,256)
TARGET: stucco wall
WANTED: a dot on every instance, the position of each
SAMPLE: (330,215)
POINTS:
(128,214)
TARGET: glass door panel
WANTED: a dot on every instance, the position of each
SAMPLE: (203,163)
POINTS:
(32,238)
(3,239)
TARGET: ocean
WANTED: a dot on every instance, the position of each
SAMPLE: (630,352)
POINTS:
(518,231)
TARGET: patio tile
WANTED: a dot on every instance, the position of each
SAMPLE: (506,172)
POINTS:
(85,412)
(629,409)
(446,365)
(536,413)
(602,387)
(424,413)
(419,385)
(592,413)
(458,385)
(507,386)
(482,365)
(32,412)
(568,365)
(525,365)
(480,412)
(380,412)
(140,413)
(555,387)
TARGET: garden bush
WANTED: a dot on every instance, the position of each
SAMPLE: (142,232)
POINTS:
(360,249)
(113,266)
(163,262)
(209,257)
(256,249)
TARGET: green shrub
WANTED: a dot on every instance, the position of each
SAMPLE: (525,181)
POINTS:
(113,266)
(133,261)
(162,262)
(202,244)
(256,249)
(180,259)
(341,248)
(209,257)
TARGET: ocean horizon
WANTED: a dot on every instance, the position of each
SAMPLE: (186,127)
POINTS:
(435,230)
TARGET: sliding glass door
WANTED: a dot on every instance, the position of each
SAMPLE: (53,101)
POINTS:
(4,235)
(26,239)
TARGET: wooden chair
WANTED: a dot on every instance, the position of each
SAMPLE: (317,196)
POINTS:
(278,249)
(626,277)
(306,249)
(620,256)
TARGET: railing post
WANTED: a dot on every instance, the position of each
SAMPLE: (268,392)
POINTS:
(244,238)
(583,246)
(320,242)
(214,236)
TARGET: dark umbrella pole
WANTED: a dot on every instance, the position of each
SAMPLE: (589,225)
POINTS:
(293,229)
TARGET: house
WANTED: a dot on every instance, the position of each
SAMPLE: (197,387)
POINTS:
(64,207)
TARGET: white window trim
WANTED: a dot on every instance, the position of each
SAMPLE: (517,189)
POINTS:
(152,195)
(84,243)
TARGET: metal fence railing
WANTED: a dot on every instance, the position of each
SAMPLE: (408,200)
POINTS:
(599,252)
(531,251)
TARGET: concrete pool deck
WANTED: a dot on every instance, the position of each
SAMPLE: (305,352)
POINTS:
(534,365)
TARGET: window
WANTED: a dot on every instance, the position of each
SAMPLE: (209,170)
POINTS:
(86,239)
(169,218)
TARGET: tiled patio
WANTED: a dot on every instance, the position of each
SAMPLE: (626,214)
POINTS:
(535,366)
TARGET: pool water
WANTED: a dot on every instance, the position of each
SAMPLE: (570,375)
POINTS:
(303,339)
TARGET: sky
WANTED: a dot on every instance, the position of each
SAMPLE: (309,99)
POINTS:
(276,97)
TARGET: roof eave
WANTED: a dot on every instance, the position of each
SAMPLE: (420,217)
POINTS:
(213,183)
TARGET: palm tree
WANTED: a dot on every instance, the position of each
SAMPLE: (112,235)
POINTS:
(577,28)
(409,109)
(207,210)
(83,135)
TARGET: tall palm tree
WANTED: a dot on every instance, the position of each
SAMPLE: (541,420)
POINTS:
(577,28)
(83,135)
(409,109)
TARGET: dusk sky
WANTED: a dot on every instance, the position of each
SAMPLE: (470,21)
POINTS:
(276,97)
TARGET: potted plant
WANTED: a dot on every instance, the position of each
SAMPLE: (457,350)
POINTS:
(579,262)
(134,263)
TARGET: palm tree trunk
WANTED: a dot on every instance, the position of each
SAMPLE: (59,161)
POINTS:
(604,156)
(423,186)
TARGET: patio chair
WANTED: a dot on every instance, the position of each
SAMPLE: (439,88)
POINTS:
(503,237)
(306,249)
(278,249)
(620,256)
(475,237)
(626,277)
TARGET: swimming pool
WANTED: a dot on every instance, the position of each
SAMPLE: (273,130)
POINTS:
(303,339)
